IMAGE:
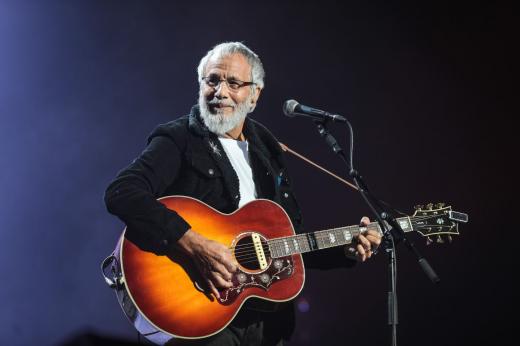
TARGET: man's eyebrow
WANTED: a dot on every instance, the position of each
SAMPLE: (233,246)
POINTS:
(230,76)
(233,77)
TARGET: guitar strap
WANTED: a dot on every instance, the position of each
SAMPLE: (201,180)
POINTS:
(300,156)
(303,158)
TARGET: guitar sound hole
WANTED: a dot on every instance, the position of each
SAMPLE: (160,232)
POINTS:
(245,253)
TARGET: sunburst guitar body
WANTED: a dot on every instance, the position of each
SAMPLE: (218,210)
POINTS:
(165,297)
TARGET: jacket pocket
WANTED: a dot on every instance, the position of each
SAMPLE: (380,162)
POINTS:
(205,166)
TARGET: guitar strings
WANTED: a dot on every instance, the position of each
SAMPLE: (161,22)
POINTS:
(242,250)
(247,254)
(318,235)
(280,242)
(248,249)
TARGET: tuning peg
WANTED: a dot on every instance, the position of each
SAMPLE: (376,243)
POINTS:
(440,205)
(418,207)
(428,240)
(429,206)
(439,239)
(450,239)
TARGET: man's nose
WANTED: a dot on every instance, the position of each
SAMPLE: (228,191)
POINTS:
(222,90)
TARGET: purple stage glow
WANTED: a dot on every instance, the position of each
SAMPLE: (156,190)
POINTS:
(83,83)
(303,305)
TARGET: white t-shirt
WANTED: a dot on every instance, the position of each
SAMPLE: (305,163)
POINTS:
(237,152)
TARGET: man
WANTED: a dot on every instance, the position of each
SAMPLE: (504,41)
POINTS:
(221,157)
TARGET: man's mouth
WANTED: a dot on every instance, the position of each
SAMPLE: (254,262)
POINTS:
(219,105)
(222,106)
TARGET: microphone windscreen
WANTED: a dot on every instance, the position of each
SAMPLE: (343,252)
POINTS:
(289,106)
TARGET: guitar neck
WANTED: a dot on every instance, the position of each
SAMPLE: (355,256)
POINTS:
(319,240)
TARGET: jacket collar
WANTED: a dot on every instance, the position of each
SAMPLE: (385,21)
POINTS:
(261,142)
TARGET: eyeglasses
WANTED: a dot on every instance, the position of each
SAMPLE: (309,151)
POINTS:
(214,81)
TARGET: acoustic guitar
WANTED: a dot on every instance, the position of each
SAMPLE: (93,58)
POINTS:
(165,296)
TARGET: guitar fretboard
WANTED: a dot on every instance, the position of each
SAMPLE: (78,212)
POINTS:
(307,242)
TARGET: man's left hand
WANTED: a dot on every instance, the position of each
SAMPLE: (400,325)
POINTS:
(366,243)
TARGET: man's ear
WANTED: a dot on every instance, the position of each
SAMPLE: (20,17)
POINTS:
(254,99)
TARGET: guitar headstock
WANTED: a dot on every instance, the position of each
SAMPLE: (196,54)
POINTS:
(436,220)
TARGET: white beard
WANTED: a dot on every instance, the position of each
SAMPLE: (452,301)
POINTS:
(219,123)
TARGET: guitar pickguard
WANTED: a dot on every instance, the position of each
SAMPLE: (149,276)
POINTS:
(280,269)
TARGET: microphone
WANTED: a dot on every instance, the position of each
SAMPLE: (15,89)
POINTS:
(292,108)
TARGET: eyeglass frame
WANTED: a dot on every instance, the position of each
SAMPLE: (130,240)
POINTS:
(228,81)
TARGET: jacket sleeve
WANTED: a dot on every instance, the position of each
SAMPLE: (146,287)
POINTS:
(132,196)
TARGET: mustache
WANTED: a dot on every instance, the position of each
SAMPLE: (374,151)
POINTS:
(221,103)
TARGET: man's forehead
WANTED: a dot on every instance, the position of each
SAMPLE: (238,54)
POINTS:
(235,64)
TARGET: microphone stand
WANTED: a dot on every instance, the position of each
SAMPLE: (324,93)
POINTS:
(392,231)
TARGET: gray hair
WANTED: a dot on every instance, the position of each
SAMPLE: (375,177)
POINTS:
(229,48)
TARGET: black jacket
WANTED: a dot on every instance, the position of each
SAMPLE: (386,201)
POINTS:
(184,158)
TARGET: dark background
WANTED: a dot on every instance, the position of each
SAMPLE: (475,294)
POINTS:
(427,88)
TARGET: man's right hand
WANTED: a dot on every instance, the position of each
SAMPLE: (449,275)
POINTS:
(214,260)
